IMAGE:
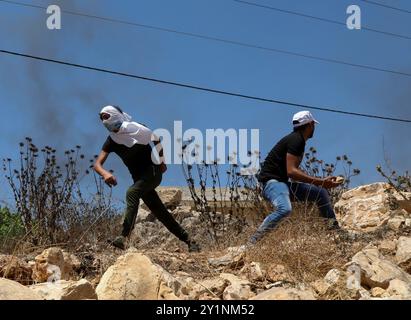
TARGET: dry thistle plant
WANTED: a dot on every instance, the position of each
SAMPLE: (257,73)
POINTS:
(400,183)
(224,206)
(49,201)
(319,168)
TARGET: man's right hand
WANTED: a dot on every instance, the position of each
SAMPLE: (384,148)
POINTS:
(110,179)
(329,183)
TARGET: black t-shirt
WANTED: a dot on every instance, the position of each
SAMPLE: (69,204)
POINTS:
(275,165)
(137,158)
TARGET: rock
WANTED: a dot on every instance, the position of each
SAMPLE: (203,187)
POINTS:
(377,292)
(256,273)
(387,246)
(166,293)
(238,289)
(171,197)
(234,258)
(364,294)
(403,254)
(365,208)
(333,276)
(187,285)
(71,264)
(399,289)
(335,283)
(376,270)
(396,223)
(281,293)
(207,296)
(144,216)
(408,223)
(49,264)
(134,277)
(54,264)
(190,223)
(65,290)
(15,269)
(11,290)
(183,212)
(213,287)
(277,273)
(404,204)
(320,287)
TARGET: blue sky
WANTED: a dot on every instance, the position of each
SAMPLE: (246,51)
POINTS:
(58,106)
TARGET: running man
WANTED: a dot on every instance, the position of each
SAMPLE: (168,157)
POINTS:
(133,143)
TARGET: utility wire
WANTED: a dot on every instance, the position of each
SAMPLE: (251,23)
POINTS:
(385,6)
(204,89)
(232,42)
(320,19)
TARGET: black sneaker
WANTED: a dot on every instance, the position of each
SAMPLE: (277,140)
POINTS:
(193,246)
(118,242)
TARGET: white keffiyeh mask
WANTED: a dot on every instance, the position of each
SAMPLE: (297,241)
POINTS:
(129,133)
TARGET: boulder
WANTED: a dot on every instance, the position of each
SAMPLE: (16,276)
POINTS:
(337,283)
(387,246)
(15,269)
(403,254)
(134,277)
(144,216)
(65,290)
(404,203)
(11,290)
(171,197)
(320,287)
(399,289)
(234,258)
(71,264)
(281,293)
(376,270)
(183,212)
(54,264)
(366,208)
(238,289)
(256,272)
(190,223)
(377,292)
(396,222)
(213,287)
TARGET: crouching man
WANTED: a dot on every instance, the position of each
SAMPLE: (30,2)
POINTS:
(282,163)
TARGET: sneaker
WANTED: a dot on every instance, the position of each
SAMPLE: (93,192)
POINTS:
(193,246)
(118,242)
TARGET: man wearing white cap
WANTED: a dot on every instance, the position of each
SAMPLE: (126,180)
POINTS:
(282,163)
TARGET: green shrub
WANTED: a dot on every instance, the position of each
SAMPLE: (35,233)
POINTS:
(11,228)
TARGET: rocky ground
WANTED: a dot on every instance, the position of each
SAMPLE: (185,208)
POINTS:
(373,259)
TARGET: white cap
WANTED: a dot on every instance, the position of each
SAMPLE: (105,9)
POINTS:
(303,117)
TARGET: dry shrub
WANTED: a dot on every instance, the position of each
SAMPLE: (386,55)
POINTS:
(51,208)
(305,245)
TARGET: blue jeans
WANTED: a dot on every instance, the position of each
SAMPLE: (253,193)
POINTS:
(278,193)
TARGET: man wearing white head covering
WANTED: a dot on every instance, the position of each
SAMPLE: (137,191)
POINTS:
(131,142)
(282,163)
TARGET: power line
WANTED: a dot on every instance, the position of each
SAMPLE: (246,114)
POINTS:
(385,6)
(320,18)
(204,89)
(232,42)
